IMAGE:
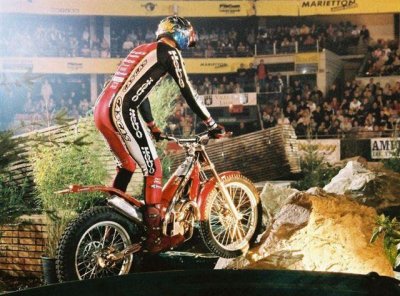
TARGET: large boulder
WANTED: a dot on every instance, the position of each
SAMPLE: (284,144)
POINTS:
(273,197)
(374,186)
(353,177)
(318,231)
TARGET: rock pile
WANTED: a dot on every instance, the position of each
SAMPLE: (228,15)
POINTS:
(319,231)
(375,187)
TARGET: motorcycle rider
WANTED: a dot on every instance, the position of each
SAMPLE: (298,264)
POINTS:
(116,116)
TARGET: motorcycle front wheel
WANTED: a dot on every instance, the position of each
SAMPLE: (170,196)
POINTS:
(88,240)
(222,233)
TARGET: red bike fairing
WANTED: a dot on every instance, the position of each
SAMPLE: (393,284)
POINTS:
(116,111)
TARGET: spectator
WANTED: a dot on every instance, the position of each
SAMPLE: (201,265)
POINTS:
(46,91)
(355,104)
(364,34)
(262,73)
(250,78)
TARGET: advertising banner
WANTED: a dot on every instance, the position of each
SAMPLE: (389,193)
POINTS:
(215,65)
(226,100)
(59,65)
(329,148)
(130,7)
(383,148)
(331,7)
(199,8)
(306,58)
(109,66)
(277,7)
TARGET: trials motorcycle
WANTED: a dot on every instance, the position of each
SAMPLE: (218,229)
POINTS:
(108,240)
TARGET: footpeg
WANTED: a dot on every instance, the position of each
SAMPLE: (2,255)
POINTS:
(129,250)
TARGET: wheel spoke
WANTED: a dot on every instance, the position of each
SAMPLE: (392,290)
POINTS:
(113,238)
(234,194)
(242,232)
(226,234)
(100,232)
(221,232)
(93,271)
(237,230)
(248,212)
(107,229)
(90,237)
(90,271)
(240,199)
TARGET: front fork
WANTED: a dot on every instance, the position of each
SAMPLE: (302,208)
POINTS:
(222,188)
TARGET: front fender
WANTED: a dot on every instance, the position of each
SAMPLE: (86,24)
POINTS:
(207,188)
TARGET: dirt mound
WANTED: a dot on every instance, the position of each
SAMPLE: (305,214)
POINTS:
(318,231)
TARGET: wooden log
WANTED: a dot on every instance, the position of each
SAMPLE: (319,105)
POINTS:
(263,155)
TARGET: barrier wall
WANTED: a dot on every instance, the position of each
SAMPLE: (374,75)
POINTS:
(47,65)
(21,247)
(220,8)
(50,65)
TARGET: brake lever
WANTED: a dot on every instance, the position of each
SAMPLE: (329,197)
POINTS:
(223,136)
(228,135)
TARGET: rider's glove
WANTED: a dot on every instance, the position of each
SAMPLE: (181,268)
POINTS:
(155,130)
(215,130)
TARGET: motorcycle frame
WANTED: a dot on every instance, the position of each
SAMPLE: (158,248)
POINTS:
(191,171)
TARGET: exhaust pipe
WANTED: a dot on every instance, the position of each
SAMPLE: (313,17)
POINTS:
(126,209)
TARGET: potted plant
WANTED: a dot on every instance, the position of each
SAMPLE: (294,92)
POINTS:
(55,167)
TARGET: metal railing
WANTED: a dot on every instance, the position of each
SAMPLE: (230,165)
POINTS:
(360,134)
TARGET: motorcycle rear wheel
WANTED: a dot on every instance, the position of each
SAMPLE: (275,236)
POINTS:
(93,234)
(221,232)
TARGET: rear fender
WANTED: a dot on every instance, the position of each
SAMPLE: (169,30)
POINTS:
(100,188)
(207,188)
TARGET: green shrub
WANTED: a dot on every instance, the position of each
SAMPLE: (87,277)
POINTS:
(163,101)
(317,172)
(12,199)
(390,229)
(13,202)
(55,167)
(393,163)
(10,149)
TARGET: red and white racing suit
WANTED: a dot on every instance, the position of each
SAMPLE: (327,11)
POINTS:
(116,112)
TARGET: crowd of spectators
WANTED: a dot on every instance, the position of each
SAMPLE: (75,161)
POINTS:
(242,41)
(36,106)
(253,78)
(336,37)
(383,59)
(71,37)
(50,38)
(357,108)
(352,109)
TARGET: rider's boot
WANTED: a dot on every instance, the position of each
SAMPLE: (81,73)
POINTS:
(153,216)
(122,179)
(155,240)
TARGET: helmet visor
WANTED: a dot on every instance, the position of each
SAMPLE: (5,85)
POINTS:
(192,37)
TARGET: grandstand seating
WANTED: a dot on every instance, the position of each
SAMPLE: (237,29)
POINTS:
(293,100)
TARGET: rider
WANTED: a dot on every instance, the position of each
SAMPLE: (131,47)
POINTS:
(116,116)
